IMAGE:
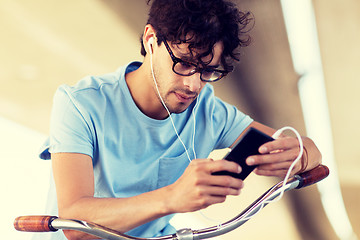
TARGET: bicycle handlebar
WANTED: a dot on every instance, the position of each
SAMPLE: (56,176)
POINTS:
(34,223)
(53,223)
(313,176)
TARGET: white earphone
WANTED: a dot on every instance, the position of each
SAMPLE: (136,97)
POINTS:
(150,42)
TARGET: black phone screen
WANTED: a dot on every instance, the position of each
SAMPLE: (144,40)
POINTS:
(246,146)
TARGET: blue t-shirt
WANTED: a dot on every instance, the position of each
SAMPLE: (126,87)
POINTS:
(131,152)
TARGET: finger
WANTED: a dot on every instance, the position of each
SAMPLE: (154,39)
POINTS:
(275,166)
(225,181)
(201,160)
(279,144)
(277,169)
(276,173)
(201,164)
(223,165)
(221,191)
(274,157)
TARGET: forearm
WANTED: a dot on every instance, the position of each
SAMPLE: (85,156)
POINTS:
(196,189)
(74,179)
(121,214)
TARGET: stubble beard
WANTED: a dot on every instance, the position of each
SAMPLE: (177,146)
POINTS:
(181,107)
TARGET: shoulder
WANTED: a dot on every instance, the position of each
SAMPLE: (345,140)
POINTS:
(92,84)
(95,89)
(226,120)
(214,105)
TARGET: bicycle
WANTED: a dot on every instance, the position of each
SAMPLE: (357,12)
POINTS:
(53,223)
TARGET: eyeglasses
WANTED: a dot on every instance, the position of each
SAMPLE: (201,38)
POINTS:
(184,68)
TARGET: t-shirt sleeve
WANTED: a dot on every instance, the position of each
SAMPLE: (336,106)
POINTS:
(229,122)
(70,128)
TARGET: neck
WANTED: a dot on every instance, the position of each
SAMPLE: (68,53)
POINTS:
(140,84)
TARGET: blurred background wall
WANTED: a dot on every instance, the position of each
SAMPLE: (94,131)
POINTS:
(48,43)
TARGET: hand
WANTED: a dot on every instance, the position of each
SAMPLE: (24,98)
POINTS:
(197,188)
(276,157)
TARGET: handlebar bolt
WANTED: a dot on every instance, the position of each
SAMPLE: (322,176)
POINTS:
(185,234)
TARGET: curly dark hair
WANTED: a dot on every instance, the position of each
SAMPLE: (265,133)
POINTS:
(201,24)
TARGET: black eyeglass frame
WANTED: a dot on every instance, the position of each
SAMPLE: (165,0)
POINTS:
(198,69)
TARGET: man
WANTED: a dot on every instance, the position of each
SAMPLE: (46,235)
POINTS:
(130,148)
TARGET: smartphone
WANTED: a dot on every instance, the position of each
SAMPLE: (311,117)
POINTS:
(246,146)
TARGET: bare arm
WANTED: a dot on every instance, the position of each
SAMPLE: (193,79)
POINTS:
(74,178)
(196,189)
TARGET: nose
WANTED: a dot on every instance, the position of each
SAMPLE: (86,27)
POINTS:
(193,82)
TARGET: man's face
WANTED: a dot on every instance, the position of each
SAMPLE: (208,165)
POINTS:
(177,91)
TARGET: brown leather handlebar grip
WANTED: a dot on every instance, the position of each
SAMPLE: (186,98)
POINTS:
(312,176)
(34,224)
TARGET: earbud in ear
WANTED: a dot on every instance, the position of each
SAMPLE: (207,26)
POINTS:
(150,43)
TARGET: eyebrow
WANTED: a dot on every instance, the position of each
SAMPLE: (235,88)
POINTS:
(213,66)
(186,57)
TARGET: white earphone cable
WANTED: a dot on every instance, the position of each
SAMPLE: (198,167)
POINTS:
(286,178)
(172,121)
(275,136)
(193,140)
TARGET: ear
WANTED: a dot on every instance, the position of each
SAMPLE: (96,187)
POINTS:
(149,38)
